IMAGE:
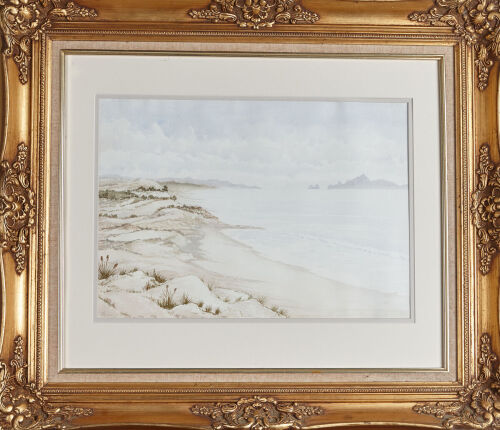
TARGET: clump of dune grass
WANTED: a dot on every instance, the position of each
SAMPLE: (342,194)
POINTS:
(208,309)
(209,285)
(185,300)
(158,278)
(283,313)
(198,210)
(108,215)
(149,286)
(106,269)
(200,304)
(226,300)
(142,188)
(166,301)
(217,311)
(261,300)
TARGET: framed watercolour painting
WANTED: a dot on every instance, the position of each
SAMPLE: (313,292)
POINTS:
(202,230)
(239,214)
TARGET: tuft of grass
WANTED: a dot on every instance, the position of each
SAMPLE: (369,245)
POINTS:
(133,216)
(217,311)
(149,286)
(200,304)
(185,299)
(158,278)
(198,210)
(226,300)
(261,300)
(209,285)
(283,313)
(123,272)
(208,309)
(141,188)
(166,301)
(275,309)
(106,269)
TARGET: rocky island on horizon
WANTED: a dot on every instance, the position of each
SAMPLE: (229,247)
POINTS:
(362,181)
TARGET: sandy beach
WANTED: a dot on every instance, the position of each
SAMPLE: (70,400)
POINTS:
(160,257)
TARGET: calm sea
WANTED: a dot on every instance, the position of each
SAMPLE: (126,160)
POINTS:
(358,237)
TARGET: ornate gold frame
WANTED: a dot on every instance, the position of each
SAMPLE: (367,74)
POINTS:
(27,400)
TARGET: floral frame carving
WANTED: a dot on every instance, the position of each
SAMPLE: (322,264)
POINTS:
(28,400)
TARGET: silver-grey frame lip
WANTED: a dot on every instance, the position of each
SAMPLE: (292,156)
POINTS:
(444,213)
(354,320)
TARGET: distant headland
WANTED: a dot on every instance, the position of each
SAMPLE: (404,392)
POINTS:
(362,181)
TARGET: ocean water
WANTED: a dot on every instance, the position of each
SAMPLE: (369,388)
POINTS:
(360,237)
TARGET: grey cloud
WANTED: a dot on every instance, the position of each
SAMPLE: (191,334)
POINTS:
(264,142)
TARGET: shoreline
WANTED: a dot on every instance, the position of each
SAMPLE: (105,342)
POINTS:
(299,279)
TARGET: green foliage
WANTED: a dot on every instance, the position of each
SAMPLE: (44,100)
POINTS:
(115,195)
(141,188)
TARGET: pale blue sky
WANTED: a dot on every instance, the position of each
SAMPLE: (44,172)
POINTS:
(253,142)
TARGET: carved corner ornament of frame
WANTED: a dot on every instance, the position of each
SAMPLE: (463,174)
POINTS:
(478,406)
(476,21)
(485,209)
(22,21)
(17,206)
(256,413)
(22,406)
(255,14)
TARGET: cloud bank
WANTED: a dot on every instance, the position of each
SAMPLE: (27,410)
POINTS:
(253,142)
